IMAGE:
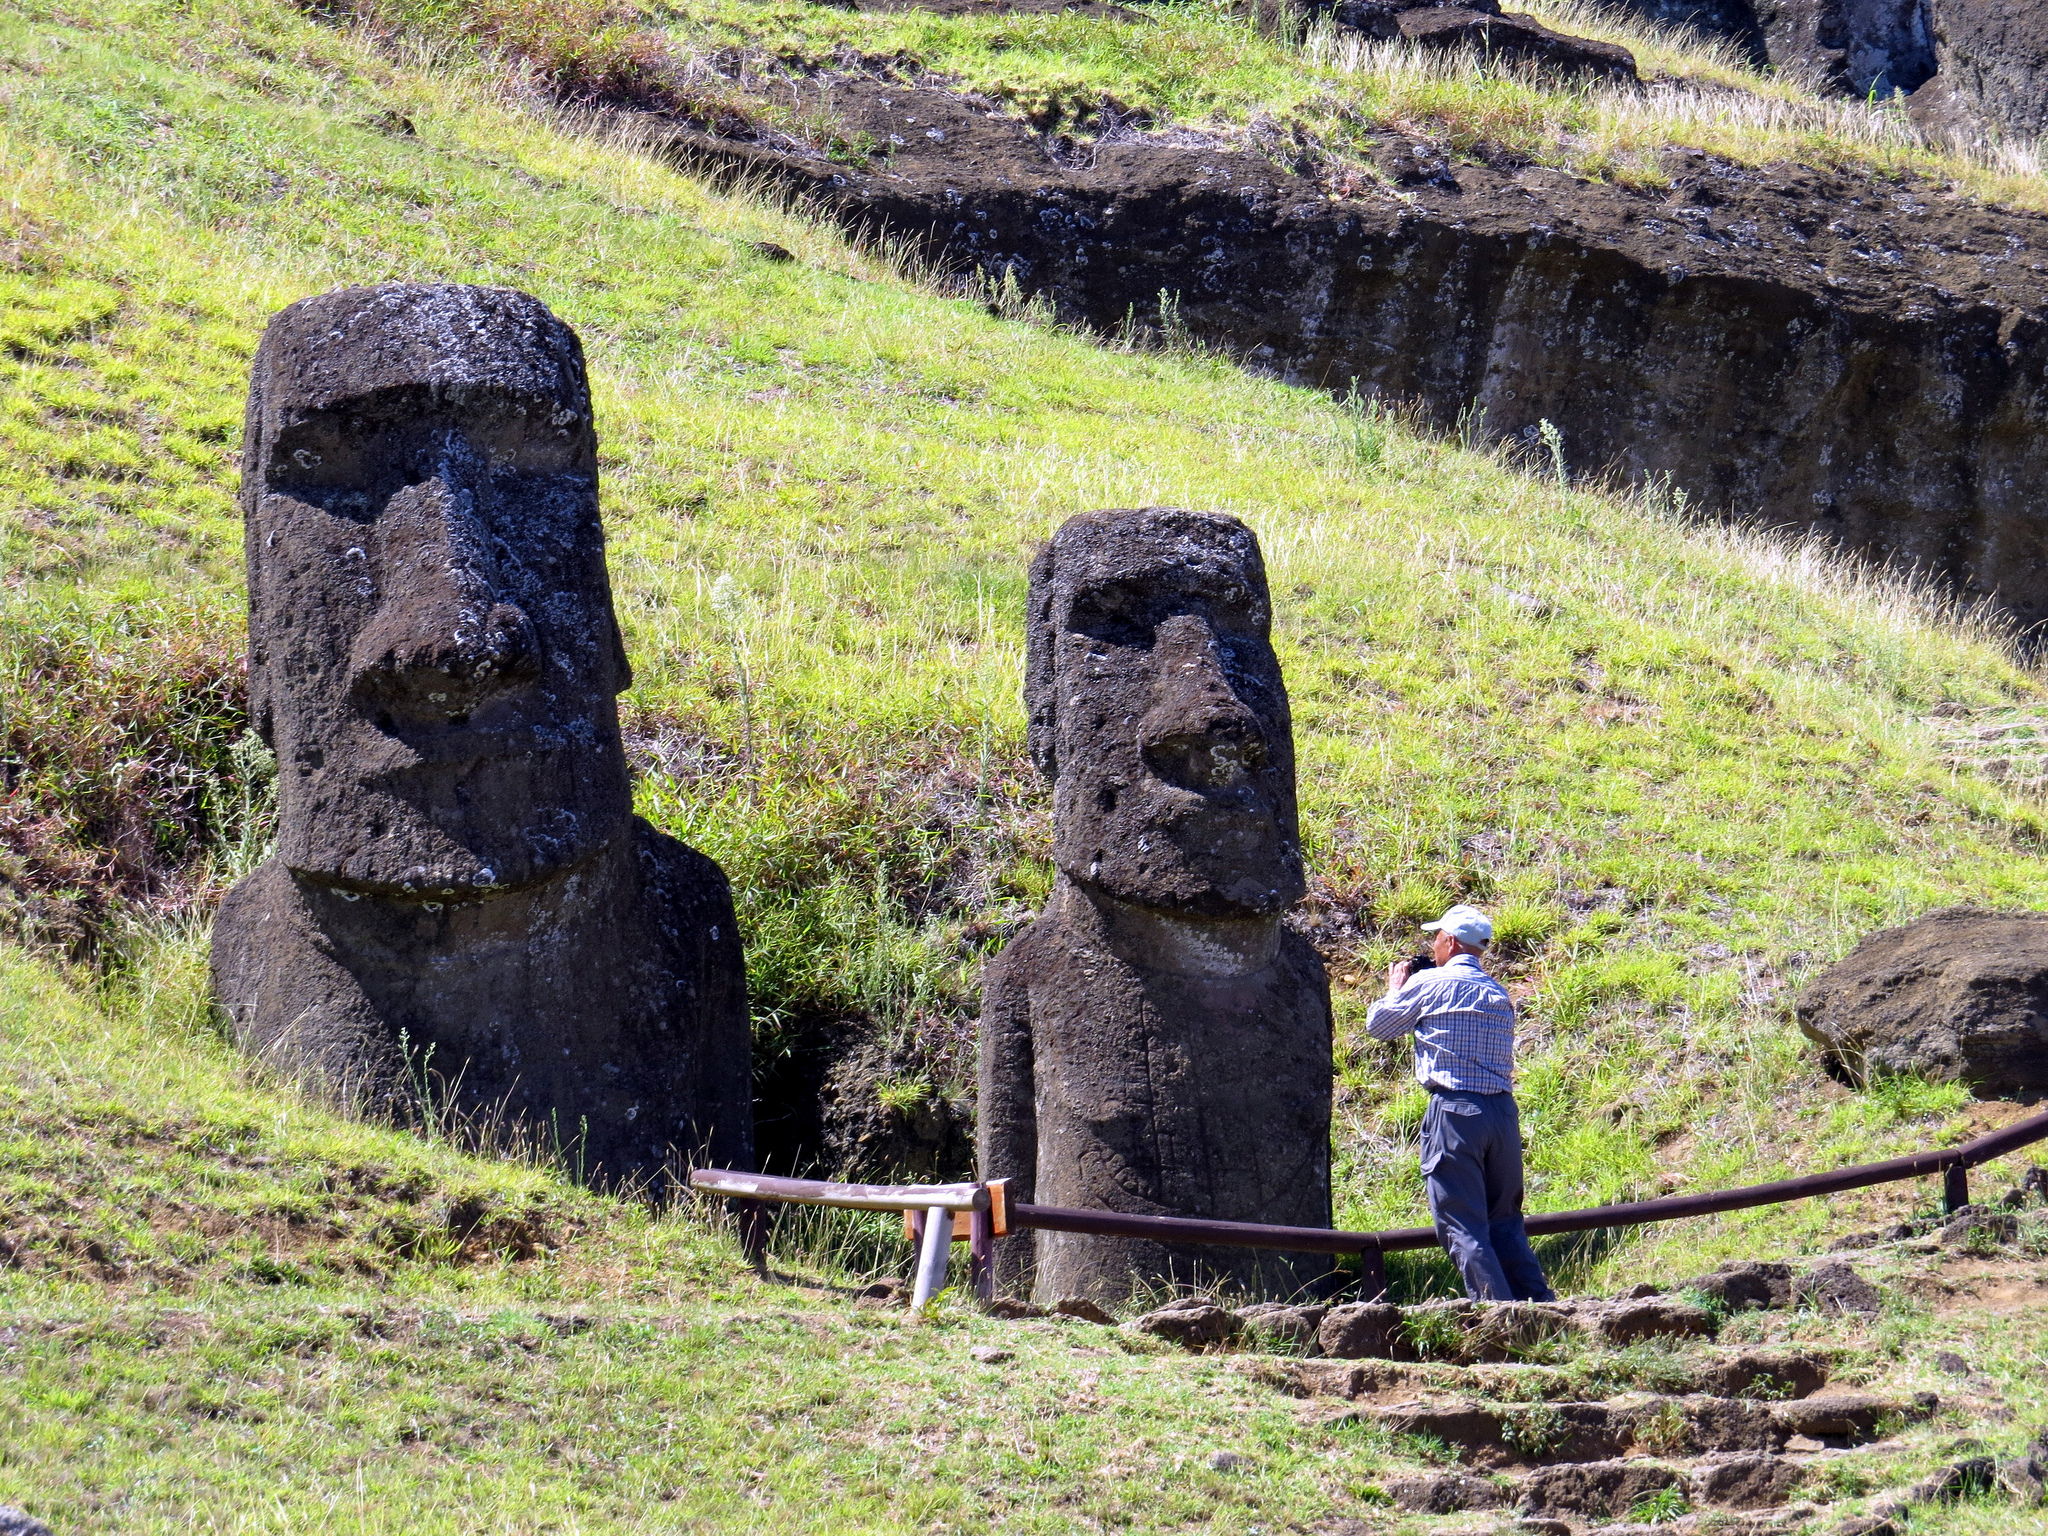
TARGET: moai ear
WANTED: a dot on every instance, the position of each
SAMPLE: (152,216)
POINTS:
(1041,650)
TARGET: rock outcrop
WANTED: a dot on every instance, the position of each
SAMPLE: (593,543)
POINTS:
(1975,70)
(1802,346)
(464,920)
(1960,994)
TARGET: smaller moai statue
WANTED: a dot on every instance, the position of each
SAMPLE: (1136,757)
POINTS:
(1158,1042)
(463,915)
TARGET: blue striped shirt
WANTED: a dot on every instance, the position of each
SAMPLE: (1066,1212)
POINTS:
(1464,1025)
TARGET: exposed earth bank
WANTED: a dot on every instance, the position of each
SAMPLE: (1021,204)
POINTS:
(1798,345)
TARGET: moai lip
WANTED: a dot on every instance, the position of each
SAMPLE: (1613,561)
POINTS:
(463,915)
(1157,1042)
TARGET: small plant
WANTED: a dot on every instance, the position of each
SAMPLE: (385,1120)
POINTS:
(1660,1508)
(1428,1447)
(1554,441)
(902,1094)
(1370,427)
(730,605)
(1174,335)
(1535,1430)
(1664,1431)
(1435,1333)
(1842,1480)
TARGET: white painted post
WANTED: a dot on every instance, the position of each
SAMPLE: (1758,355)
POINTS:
(931,1263)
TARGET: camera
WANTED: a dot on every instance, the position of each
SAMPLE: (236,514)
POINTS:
(1422,962)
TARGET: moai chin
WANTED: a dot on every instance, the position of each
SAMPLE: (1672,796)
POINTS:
(463,916)
(1157,1042)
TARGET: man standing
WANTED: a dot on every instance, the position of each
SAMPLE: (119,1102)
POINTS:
(1464,1024)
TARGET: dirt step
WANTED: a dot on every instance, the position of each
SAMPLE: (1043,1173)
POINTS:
(1491,1434)
(1768,1374)
(1604,1490)
(1470,1332)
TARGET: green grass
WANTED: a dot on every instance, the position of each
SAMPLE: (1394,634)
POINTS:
(1208,64)
(1686,766)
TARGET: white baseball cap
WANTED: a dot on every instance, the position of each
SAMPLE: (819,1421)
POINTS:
(1468,925)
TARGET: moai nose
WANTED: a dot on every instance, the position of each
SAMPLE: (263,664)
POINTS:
(1199,733)
(444,639)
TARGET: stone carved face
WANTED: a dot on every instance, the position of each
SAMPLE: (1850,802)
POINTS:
(433,652)
(1158,712)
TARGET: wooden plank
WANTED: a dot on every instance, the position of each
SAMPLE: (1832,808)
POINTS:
(848,1197)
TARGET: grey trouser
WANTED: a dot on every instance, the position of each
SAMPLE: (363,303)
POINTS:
(1472,1162)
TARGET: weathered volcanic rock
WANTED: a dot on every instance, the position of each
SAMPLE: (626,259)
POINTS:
(1517,39)
(1958,994)
(1867,358)
(1365,1330)
(1157,1042)
(1381,19)
(1993,62)
(1290,1325)
(1196,1326)
(463,919)
(1854,1416)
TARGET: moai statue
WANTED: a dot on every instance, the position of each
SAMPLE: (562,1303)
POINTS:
(1157,1042)
(463,913)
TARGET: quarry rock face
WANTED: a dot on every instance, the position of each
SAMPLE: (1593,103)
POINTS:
(1811,348)
(463,917)
(1975,70)
(1959,995)
(1157,1043)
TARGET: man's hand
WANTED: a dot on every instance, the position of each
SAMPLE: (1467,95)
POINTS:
(1398,974)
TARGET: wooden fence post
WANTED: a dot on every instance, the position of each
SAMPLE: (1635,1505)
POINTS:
(981,1253)
(1372,1275)
(753,1216)
(1955,1188)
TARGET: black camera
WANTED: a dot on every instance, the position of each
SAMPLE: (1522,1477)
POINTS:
(1422,962)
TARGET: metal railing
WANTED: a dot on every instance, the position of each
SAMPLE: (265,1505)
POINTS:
(982,1212)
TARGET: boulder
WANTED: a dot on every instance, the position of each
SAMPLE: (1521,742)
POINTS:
(1960,994)
(1200,1326)
(1978,1226)
(1743,1284)
(1835,1287)
(15,1522)
(1364,1330)
(1518,39)
(1289,1325)
(1083,1310)
(1856,1416)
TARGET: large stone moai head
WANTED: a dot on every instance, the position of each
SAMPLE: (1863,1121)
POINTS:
(433,653)
(463,913)
(1158,1042)
(1158,713)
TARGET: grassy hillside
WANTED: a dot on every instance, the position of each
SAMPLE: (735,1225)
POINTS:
(1203,65)
(1685,766)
